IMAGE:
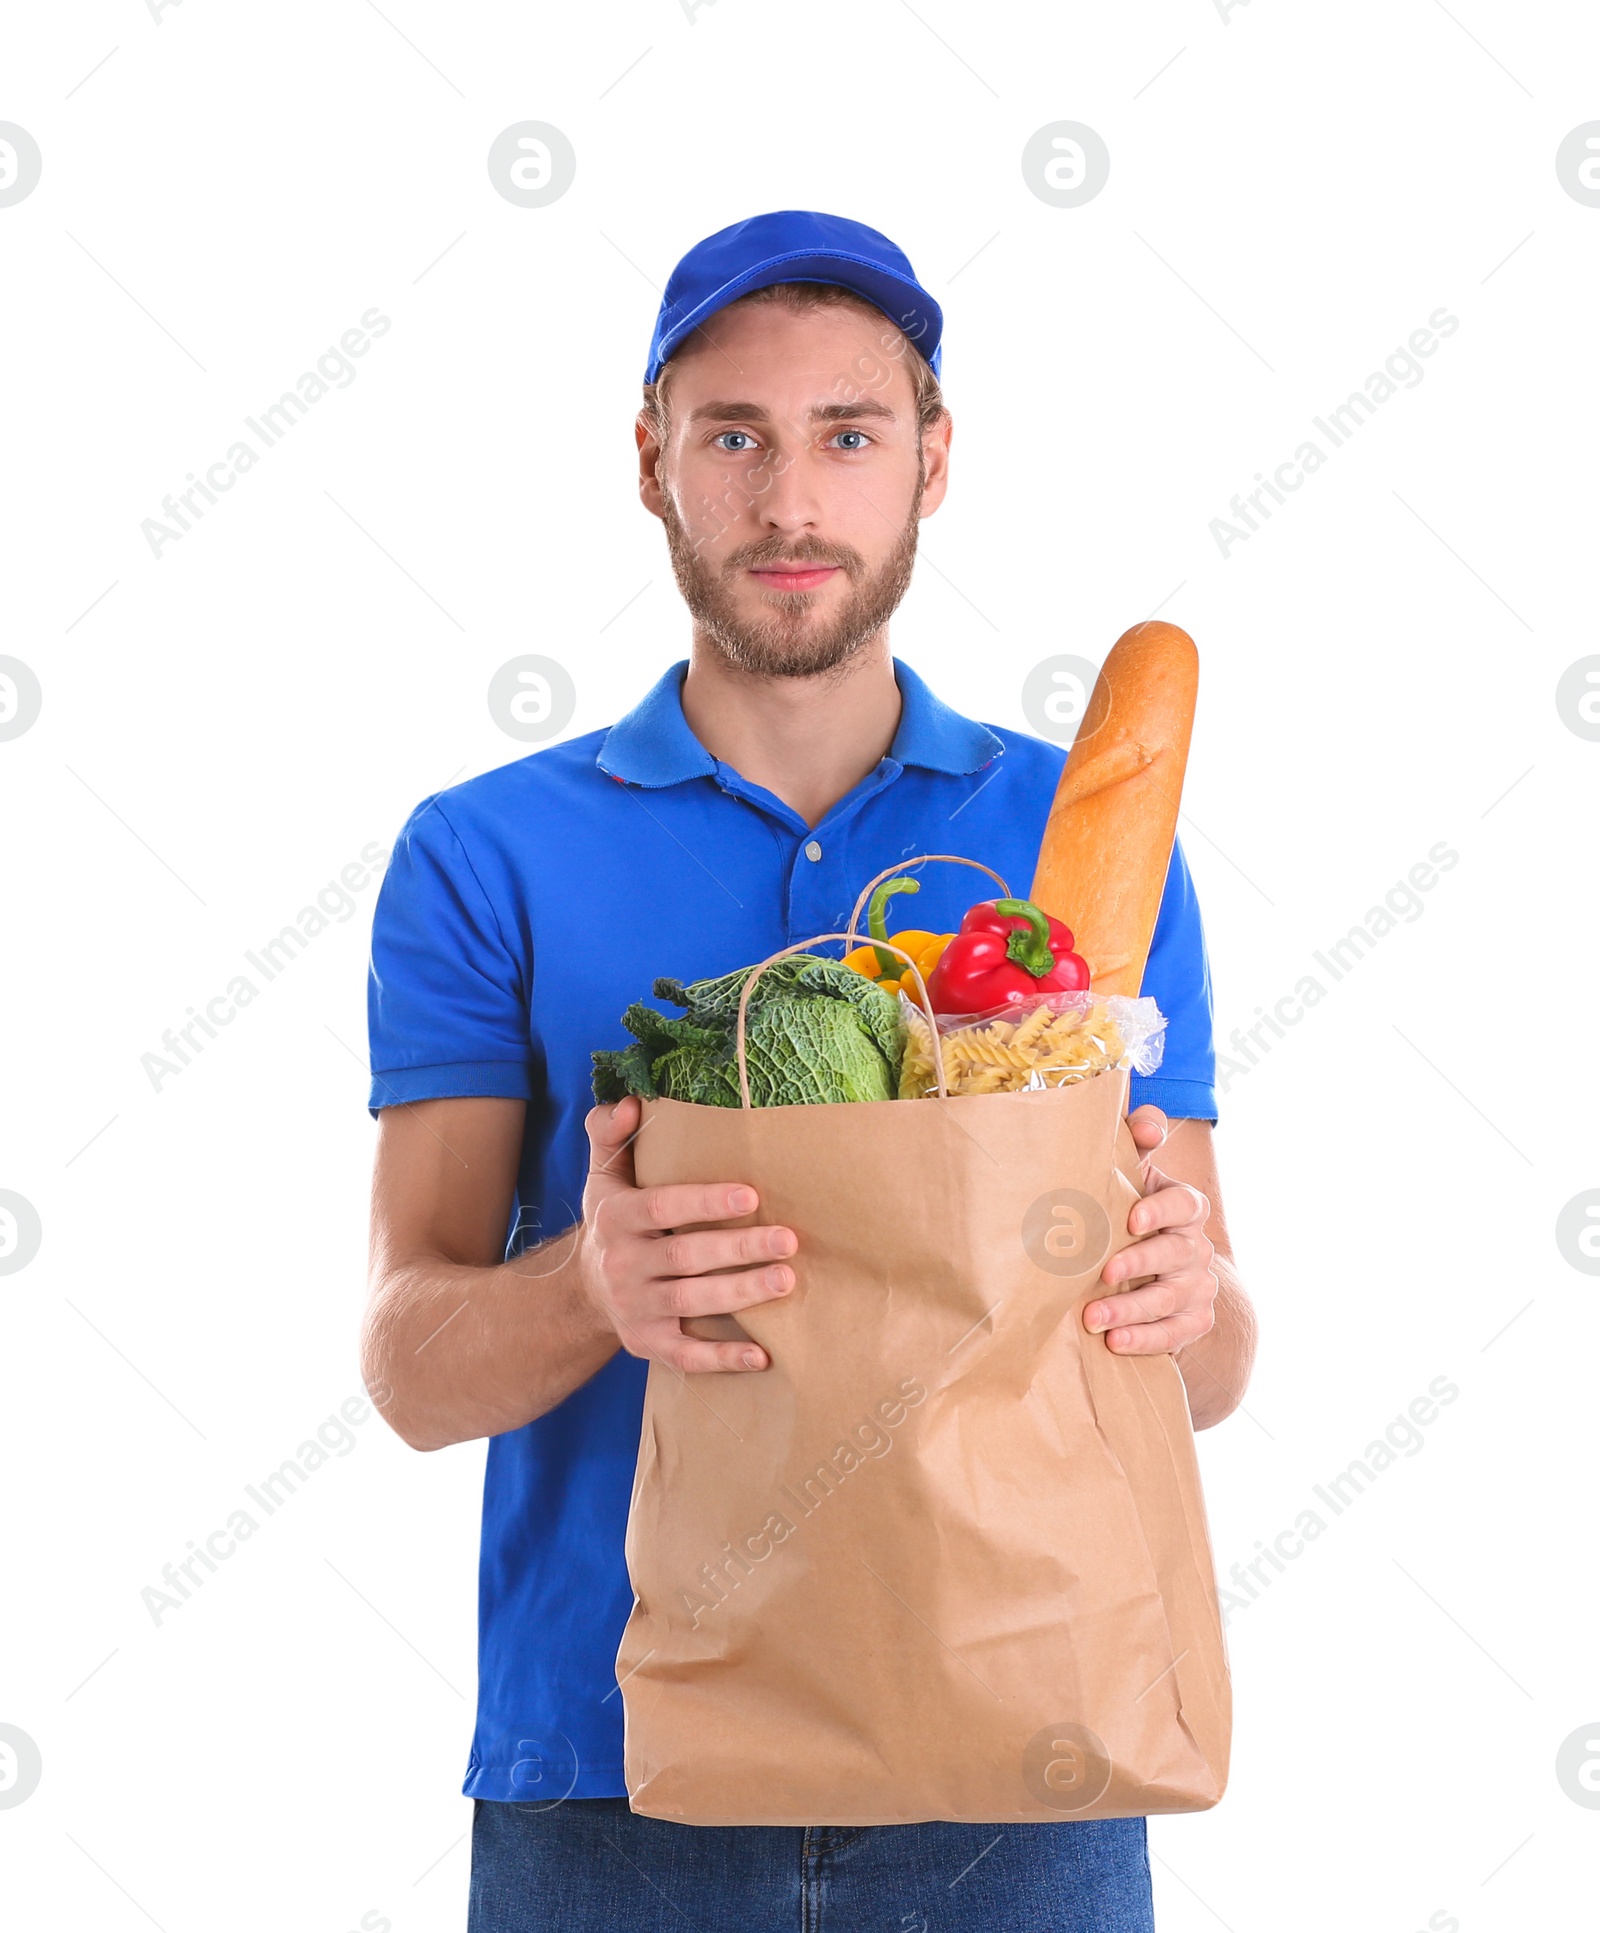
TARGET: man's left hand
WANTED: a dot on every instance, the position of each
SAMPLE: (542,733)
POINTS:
(1170,1243)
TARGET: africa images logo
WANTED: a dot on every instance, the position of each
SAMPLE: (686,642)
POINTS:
(1066,1767)
(1067,1232)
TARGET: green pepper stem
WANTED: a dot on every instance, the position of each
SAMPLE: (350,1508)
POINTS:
(1030,949)
(876,926)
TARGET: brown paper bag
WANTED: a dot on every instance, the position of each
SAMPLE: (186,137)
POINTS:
(947,1557)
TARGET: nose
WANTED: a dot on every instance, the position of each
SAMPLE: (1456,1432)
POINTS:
(789,505)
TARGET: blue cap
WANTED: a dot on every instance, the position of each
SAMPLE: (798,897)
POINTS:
(793,246)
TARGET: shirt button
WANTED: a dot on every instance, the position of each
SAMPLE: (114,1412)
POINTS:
(813,850)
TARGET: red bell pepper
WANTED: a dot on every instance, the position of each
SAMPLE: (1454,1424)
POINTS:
(1008,950)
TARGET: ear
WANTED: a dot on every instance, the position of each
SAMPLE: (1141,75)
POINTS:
(650,487)
(936,464)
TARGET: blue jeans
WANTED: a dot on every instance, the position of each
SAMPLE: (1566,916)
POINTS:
(592,1866)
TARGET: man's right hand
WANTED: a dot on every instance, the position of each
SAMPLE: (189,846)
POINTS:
(645,1280)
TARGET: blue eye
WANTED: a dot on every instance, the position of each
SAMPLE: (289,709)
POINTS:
(748,442)
(860,442)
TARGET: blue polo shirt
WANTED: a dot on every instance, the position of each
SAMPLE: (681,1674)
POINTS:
(521,913)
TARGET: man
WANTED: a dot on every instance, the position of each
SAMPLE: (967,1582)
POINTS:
(792,437)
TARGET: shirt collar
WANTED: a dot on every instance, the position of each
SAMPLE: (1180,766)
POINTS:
(933,735)
(654,746)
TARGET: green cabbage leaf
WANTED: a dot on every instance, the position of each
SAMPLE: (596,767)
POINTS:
(816,1031)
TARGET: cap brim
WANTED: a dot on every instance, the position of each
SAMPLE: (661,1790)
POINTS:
(906,303)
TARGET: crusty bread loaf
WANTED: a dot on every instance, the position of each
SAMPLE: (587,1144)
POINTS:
(1103,861)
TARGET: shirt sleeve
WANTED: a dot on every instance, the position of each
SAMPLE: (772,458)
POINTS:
(447,998)
(1177,976)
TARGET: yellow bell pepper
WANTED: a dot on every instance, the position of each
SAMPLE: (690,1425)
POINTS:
(878,963)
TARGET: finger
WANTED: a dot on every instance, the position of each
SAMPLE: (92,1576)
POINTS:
(1190,1293)
(610,1126)
(611,1133)
(699,1251)
(664,1342)
(694,1358)
(1168,1254)
(1150,1304)
(1156,1338)
(716,1295)
(1148,1126)
(649,1210)
(1169,1204)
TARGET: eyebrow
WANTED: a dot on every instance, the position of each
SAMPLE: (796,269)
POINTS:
(736,412)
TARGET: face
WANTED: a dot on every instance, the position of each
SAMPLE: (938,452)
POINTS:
(791,483)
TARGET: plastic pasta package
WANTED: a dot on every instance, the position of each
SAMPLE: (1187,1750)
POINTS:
(1052,1041)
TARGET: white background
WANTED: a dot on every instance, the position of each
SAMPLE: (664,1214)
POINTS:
(1293,190)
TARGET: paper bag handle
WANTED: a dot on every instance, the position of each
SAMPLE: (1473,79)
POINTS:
(905,865)
(804,946)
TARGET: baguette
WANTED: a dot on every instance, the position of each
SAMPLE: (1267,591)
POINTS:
(1103,860)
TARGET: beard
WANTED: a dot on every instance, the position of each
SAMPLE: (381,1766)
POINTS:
(788,640)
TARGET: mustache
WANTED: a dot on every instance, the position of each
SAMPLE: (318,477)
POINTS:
(809,550)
